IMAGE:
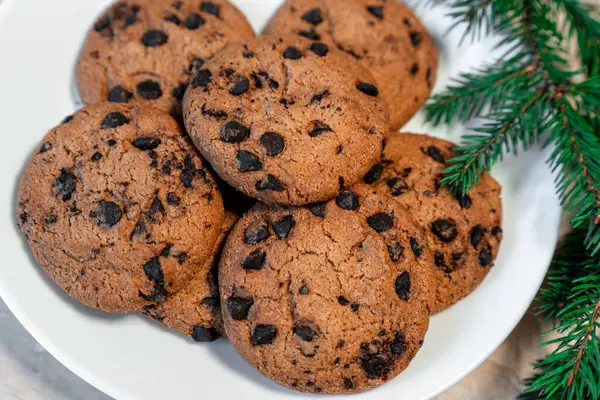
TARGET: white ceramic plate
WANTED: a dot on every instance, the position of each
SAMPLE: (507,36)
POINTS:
(129,357)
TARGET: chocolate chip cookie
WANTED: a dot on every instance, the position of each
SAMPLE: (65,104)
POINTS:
(147,51)
(195,310)
(284,120)
(330,298)
(463,232)
(385,36)
(118,207)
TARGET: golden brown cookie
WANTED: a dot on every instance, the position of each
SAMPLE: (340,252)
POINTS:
(195,310)
(286,121)
(118,207)
(387,38)
(330,298)
(464,233)
(147,50)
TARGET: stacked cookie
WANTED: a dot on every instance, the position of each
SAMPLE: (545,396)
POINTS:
(285,215)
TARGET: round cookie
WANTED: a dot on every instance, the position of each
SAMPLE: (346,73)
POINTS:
(118,207)
(195,310)
(331,298)
(147,50)
(464,233)
(385,36)
(286,121)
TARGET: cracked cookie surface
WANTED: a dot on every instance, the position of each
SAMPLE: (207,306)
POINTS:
(147,51)
(384,35)
(464,233)
(195,310)
(284,120)
(330,298)
(118,207)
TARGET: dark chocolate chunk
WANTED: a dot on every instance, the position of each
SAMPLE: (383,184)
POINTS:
(398,186)
(273,143)
(354,307)
(234,132)
(65,184)
(434,153)
(318,97)
(195,65)
(247,161)
(146,143)
(313,16)
(188,172)
(255,260)
(376,11)
(319,128)
(269,182)
(263,334)
(319,49)
(181,257)
(496,231)
(477,234)
(292,53)
(149,90)
(248,54)
(318,209)
(415,38)
(211,301)
(485,257)
(414,69)
(416,247)
(343,301)
(45,147)
(156,207)
(381,222)
(283,227)
(239,307)
(50,220)
(368,89)
(305,333)
(241,86)
(304,290)
(113,120)
(139,229)
(166,251)
(348,383)
(398,345)
(154,38)
(374,174)
(203,334)
(96,156)
(309,34)
(444,229)
(117,94)
(210,8)
(347,200)
(395,250)
(218,114)
(439,260)
(202,78)
(153,270)
(256,234)
(172,18)
(194,21)
(107,214)
(67,119)
(402,285)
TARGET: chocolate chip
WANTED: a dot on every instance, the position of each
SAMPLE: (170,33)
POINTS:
(247,161)
(173,199)
(434,153)
(347,200)
(202,78)
(395,250)
(402,285)
(174,19)
(67,119)
(256,234)
(181,257)
(194,21)
(397,186)
(234,132)
(464,201)
(416,247)
(153,270)
(319,49)
(444,229)
(439,260)
(273,143)
(376,11)
(65,184)
(156,207)
(414,69)
(304,290)
(154,38)
(188,172)
(354,307)
(255,260)
(218,114)
(381,222)
(313,16)
(107,214)
(269,182)
(374,174)
(292,53)
(203,334)
(305,333)
(149,90)
(248,54)
(263,334)
(309,34)
(50,220)
(348,383)
(139,229)
(319,128)
(212,302)
(318,209)
(146,143)
(96,156)
(210,8)
(240,87)
(45,147)
(477,233)
(368,89)
(318,97)
(239,307)
(343,301)
(117,94)
(415,38)
(485,257)
(113,120)
(166,251)
(398,346)
(496,231)
(179,92)
(283,227)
